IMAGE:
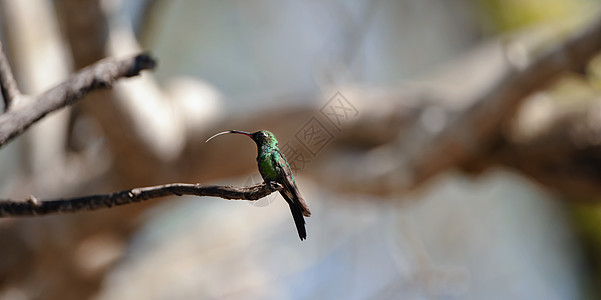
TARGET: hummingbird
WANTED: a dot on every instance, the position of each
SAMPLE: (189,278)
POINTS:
(273,166)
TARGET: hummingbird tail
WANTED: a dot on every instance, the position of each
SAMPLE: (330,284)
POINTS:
(304,208)
(299,200)
(299,221)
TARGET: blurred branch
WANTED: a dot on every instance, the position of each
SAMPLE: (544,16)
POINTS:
(99,75)
(33,206)
(467,134)
(8,86)
(564,156)
(474,129)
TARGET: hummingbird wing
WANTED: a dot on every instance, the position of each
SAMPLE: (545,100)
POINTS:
(287,180)
(297,204)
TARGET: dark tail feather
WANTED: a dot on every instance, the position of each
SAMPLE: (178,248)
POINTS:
(299,221)
(298,208)
(303,206)
(295,194)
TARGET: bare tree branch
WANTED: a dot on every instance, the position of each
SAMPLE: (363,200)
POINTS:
(8,86)
(564,155)
(468,132)
(473,129)
(99,75)
(33,206)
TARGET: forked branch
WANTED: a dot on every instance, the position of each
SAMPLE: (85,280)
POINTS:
(102,74)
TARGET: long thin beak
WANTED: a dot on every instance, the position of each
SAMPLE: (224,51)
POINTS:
(230,131)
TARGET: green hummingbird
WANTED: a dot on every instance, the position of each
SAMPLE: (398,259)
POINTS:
(273,166)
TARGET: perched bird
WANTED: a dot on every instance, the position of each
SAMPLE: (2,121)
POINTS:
(274,167)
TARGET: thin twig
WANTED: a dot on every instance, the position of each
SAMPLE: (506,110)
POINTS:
(33,206)
(8,85)
(99,75)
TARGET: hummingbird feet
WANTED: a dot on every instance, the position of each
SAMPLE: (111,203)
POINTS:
(274,186)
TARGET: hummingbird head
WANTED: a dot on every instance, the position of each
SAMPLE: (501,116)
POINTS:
(264,137)
(261,137)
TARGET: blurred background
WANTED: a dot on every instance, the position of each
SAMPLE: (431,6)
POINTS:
(440,155)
